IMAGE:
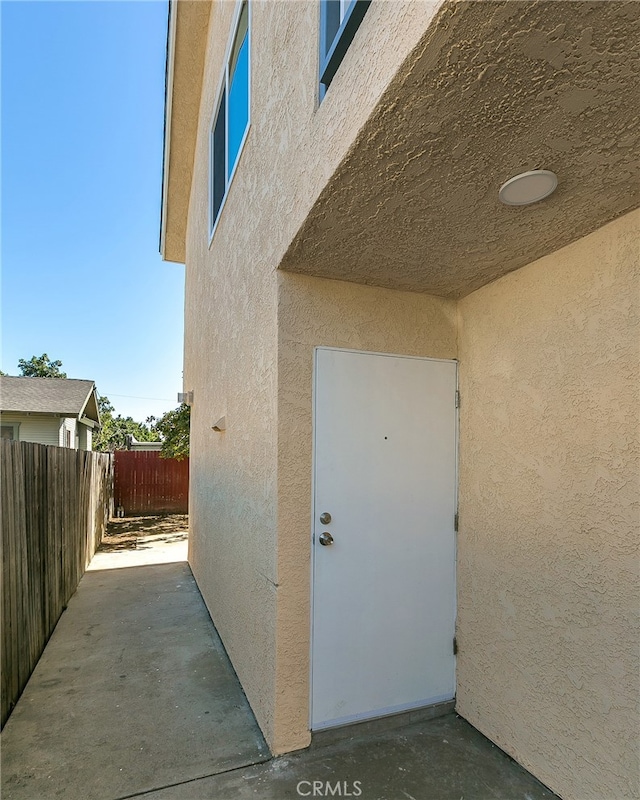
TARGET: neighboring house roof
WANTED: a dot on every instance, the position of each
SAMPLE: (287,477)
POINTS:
(62,397)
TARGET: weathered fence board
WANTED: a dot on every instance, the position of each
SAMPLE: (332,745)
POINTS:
(55,505)
(146,484)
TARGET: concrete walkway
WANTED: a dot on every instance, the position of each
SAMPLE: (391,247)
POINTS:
(134,690)
(134,696)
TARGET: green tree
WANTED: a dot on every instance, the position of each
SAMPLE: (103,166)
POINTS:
(104,405)
(173,429)
(115,430)
(41,367)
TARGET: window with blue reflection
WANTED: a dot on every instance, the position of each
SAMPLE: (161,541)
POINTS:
(238,101)
(231,120)
(218,182)
(339,21)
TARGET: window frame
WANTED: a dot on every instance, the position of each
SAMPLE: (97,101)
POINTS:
(223,93)
(16,430)
(332,53)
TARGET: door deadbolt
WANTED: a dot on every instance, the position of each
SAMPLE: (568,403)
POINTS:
(325,538)
(325,518)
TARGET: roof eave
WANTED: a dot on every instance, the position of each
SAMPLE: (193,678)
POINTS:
(168,102)
(188,25)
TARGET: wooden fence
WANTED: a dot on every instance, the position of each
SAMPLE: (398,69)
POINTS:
(55,506)
(145,484)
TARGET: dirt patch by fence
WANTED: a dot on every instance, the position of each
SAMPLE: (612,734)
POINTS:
(130,533)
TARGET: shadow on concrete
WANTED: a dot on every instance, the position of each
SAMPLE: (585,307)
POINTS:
(439,759)
(134,691)
(135,696)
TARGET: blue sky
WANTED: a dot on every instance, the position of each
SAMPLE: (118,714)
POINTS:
(82,122)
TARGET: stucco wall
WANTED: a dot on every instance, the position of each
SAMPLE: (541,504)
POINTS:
(491,90)
(314,312)
(292,147)
(549,489)
(552,338)
(230,365)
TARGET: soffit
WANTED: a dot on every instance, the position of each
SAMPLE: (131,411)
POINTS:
(492,90)
(186,56)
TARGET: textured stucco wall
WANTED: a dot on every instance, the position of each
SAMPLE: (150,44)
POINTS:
(303,141)
(549,489)
(539,337)
(492,89)
(230,365)
(314,312)
(231,316)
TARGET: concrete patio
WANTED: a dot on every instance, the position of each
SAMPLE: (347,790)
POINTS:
(135,696)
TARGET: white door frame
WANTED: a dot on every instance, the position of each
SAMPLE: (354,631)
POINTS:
(313,496)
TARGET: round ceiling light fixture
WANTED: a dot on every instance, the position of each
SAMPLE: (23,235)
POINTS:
(528,187)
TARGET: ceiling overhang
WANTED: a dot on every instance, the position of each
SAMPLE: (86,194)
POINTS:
(186,48)
(493,89)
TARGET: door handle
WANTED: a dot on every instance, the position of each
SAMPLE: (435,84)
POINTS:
(325,538)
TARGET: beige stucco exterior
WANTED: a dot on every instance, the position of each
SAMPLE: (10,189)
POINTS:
(491,89)
(548,353)
(315,312)
(232,362)
(548,556)
(294,141)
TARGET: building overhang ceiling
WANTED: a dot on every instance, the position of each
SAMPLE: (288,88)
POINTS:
(186,49)
(492,90)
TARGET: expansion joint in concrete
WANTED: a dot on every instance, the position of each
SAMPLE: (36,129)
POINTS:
(193,780)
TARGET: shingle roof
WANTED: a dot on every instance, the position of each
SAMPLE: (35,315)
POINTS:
(61,396)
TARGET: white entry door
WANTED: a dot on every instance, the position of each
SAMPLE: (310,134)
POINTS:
(383,617)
